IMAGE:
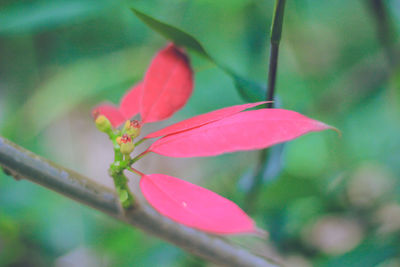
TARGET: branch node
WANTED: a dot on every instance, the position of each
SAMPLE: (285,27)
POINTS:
(12,174)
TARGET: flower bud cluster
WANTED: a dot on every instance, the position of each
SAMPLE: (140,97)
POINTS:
(130,131)
(123,137)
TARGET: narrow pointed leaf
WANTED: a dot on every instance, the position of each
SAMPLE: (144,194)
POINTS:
(194,206)
(254,129)
(249,90)
(111,112)
(202,119)
(167,85)
(130,103)
(172,33)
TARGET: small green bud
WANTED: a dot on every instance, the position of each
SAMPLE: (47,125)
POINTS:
(127,148)
(103,124)
(123,196)
(126,144)
(132,128)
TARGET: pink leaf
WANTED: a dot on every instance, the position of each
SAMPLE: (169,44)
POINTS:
(167,85)
(254,129)
(111,113)
(194,206)
(202,119)
(130,103)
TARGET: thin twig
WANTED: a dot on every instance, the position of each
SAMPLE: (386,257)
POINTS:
(276,34)
(140,141)
(24,164)
(138,157)
(137,172)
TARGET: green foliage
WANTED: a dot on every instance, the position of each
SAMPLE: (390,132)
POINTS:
(60,58)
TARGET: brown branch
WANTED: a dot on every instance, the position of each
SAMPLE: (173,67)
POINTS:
(23,164)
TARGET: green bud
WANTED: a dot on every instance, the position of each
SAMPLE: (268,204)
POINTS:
(126,144)
(132,128)
(123,196)
(103,124)
(127,148)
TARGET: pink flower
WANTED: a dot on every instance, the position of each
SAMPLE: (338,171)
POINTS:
(166,87)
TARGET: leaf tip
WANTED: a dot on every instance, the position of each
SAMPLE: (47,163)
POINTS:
(329,127)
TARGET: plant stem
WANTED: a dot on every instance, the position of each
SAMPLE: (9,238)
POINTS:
(24,164)
(116,171)
(138,157)
(276,34)
(123,191)
(140,141)
(137,172)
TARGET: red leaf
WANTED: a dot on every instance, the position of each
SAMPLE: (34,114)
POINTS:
(194,206)
(252,129)
(202,119)
(130,103)
(111,113)
(167,85)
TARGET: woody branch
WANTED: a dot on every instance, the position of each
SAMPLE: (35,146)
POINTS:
(23,164)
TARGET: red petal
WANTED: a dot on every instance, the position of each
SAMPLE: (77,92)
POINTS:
(130,103)
(202,119)
(194,206)
(111,113)
(253,129)
(167,85)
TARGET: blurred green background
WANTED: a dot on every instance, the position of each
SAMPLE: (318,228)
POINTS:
(326,201)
